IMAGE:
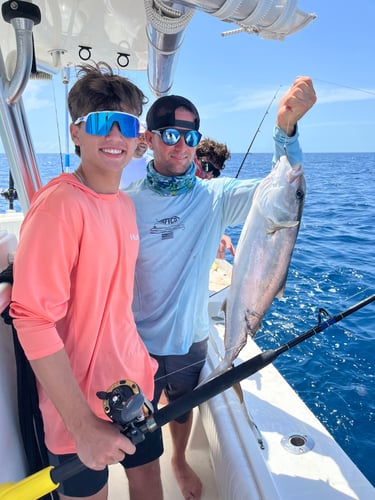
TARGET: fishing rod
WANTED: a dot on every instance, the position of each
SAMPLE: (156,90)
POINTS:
(125,404)
(256,133)
(245,369)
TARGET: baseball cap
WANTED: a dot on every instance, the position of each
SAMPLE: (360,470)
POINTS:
(162,113)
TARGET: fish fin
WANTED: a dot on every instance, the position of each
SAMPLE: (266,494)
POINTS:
(251,326)
(252,333)
(272,227)
(280,293)
(224,306)
(238,390)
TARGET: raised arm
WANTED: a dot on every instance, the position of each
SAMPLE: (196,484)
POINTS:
(294,104)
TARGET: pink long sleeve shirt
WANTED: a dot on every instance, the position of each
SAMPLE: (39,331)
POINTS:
(73,289)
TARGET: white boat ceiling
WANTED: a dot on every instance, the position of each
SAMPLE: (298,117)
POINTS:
(44,37)
(140,35)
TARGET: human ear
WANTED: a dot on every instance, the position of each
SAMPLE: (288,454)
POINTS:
(148,137)
(74,133)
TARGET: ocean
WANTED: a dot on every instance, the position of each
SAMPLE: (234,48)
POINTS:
(333,267)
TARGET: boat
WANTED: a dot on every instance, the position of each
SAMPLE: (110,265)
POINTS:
(268,445)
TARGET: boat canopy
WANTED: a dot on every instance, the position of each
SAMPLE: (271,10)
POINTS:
(41,38)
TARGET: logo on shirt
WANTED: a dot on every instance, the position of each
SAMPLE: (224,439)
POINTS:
(167,226)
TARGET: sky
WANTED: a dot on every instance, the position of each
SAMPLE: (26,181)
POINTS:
(232,80)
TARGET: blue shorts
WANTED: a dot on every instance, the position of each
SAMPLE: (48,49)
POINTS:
(176,375)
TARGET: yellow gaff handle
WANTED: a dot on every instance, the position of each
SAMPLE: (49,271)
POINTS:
(30,488)
(42,482)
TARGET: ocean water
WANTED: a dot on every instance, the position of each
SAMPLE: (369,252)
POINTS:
(333,267)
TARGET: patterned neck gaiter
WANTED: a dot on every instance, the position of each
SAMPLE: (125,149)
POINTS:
(170,186)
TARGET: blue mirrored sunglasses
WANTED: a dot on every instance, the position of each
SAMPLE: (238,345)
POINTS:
(171,136)
(101,123)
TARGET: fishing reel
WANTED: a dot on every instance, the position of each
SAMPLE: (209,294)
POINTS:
(126,405)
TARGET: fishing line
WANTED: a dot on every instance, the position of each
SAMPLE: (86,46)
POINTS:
(355,294)
(158,379)
(285,144)
(179,370)
(346,86)
(218,291)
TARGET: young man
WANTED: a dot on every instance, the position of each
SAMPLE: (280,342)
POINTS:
(136,168)
(73,285)
(210,158)
(181,219)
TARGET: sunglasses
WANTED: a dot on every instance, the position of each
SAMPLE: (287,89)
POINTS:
(171,136)
(207,166)
(101,123)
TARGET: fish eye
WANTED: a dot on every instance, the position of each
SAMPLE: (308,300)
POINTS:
(300,194)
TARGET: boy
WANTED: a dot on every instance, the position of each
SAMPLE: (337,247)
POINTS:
(73,284)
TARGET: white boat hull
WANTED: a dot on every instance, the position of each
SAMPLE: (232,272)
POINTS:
(273,413)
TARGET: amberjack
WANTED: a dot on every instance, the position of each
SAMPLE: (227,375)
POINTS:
(263,255)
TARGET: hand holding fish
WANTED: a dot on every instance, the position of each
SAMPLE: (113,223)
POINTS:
(225,244)
(298,99)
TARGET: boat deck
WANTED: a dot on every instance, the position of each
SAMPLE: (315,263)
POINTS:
(198,458)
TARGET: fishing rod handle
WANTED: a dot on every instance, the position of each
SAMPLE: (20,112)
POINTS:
(67,469)
(42,482)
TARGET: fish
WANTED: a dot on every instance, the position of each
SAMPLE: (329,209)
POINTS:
(263,256)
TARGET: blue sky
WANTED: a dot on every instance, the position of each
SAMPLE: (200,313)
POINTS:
(233,79)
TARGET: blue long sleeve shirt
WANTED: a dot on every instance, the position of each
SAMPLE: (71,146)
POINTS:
(179,238)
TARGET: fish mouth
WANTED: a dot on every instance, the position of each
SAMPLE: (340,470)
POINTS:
(294,173)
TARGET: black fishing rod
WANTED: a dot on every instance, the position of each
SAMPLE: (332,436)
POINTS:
(245,370)
(256,133)
(128,411)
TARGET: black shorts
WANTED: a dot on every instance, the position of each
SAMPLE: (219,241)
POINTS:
(178,375)
(88,482)
(84,484)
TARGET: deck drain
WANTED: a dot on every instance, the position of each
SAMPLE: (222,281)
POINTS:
(298,443)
